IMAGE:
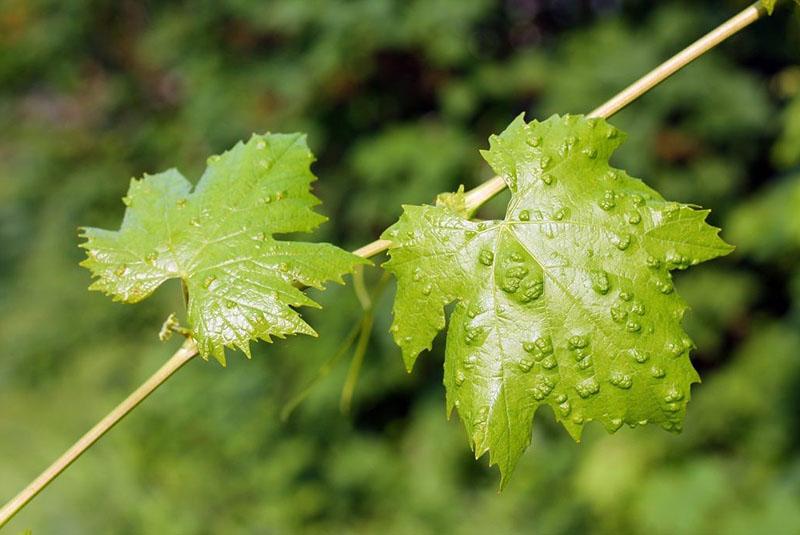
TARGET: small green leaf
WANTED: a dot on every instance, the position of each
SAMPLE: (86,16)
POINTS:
(567,302)
(455,202)
(769,5)
(218,239)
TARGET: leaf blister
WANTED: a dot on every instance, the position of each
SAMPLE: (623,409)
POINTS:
(579,266)
(219,239)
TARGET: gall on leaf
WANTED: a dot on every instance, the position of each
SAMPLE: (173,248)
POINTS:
(218,238)
(568,302)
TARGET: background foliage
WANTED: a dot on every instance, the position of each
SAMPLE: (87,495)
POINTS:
(397,98)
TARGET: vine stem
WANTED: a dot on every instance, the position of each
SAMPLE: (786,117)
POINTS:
(477,197)
(187,351)
(474,199)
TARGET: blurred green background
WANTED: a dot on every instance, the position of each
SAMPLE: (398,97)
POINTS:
(397,97)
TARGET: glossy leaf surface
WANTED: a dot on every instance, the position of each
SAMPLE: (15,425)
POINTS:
(567,302)
(218,239)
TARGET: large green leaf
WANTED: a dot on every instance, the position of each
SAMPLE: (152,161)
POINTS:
(241,281)
(567,302)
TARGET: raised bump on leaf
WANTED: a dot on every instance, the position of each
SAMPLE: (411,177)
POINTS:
(219,240)
(567,302)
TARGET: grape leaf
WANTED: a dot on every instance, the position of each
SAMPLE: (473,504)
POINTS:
(567,302)
(218,239)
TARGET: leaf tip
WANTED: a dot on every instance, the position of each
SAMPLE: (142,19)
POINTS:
(409,358)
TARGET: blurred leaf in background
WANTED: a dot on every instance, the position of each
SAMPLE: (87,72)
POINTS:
(397,98)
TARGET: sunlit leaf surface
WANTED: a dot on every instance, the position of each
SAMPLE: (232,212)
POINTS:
(567,302)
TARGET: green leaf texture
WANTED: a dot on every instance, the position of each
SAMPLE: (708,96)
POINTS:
(218,239)
(568,302)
